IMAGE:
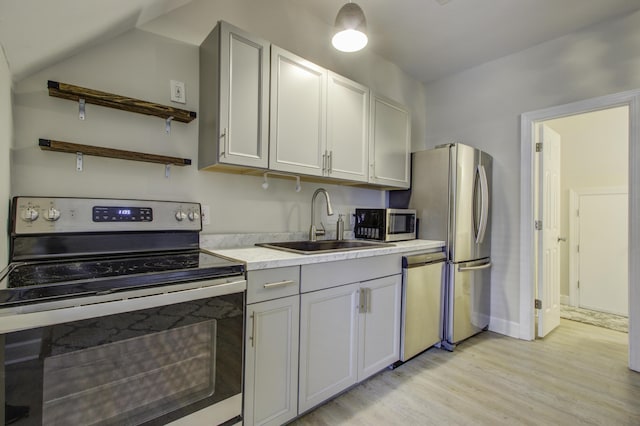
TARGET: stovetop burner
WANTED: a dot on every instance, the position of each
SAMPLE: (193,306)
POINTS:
(50,280)
(51,272)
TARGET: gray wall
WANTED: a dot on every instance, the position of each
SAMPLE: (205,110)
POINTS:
(140,64)
(6,132)
(482,107)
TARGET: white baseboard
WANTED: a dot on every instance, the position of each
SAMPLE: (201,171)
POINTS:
(508,328)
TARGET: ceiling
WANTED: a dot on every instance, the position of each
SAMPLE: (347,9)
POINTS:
(428,39)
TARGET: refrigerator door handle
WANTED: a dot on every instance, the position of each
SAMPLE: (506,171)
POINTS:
(474,268)
(484,194)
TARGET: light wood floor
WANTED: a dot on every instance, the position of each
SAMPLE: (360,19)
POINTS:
(577,375)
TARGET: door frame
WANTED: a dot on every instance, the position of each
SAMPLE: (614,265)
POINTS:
(574,201)
(527,232)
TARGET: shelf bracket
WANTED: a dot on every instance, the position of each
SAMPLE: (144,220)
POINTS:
(78,161)
(167,124)
(167,170)
(81,108)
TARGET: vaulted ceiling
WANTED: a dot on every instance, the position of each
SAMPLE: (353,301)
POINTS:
(428,39)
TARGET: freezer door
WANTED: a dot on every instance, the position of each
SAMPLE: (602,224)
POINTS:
(470,204)
(468,298)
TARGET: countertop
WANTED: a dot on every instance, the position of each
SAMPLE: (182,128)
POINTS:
(264,258)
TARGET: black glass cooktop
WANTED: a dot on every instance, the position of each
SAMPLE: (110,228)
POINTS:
(47,280)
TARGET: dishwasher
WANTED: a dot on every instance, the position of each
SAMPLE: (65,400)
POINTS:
(422,277)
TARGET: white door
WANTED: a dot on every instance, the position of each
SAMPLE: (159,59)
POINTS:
(271,364)
(548,236)
(244,99)
(328,344)
(347,129)
(603,252)
(298,114)
(379,323)
(390,143)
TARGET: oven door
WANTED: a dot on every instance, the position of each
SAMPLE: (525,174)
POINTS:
(143,358)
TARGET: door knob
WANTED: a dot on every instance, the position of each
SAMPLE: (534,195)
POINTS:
(563,239)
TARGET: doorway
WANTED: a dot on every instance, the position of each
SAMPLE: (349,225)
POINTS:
(528,235)
(593,239)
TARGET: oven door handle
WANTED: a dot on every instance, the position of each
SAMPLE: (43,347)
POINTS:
(117,303)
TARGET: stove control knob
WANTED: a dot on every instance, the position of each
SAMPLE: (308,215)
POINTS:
(180,215)
(52,214)
(29,214)
(194,215)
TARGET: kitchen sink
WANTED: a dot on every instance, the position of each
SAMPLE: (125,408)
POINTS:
(323,246)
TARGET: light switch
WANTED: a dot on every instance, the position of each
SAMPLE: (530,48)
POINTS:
(178,93)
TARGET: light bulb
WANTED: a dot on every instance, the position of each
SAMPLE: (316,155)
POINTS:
(349,40)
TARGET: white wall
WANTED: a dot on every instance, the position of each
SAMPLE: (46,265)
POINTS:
(140,64)
(482,107)
(594,153)
(6,132)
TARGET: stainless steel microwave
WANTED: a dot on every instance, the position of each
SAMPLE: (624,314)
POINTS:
(385,224)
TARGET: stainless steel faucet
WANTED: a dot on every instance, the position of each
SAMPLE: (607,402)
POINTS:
(313,232)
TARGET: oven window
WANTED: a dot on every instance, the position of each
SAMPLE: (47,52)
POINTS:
(143,367)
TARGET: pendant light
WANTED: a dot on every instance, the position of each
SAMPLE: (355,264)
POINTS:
(350,29)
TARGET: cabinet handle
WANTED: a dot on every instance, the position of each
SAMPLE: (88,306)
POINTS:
(330,167)
(278,284)
(367,300)
(324,162)
(253,330)
(223,136)
(362,301)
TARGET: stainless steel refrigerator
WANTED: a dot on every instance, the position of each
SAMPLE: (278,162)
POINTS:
(451,193)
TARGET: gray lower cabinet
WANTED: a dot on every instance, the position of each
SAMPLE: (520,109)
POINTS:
(328,344)
(379,325)
(271,342)
(347,331)
(302,349)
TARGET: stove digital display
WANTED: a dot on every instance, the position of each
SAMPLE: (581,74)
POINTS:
(122,214)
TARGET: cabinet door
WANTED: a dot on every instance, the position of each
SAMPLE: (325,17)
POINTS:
(347,129)
(328,340)
(298,114)
(271,362)
(379,325)
(244,98)
(390,144)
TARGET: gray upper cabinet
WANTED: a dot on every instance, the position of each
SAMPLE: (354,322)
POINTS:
(390,145)
(298,114)
(234,99)
(262,107)
(347,129)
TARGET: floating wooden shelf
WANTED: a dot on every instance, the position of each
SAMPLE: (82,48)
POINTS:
(75,93)
(75,148)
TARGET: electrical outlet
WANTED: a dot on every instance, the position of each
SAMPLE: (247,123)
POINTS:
(178,93)
(206,218)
